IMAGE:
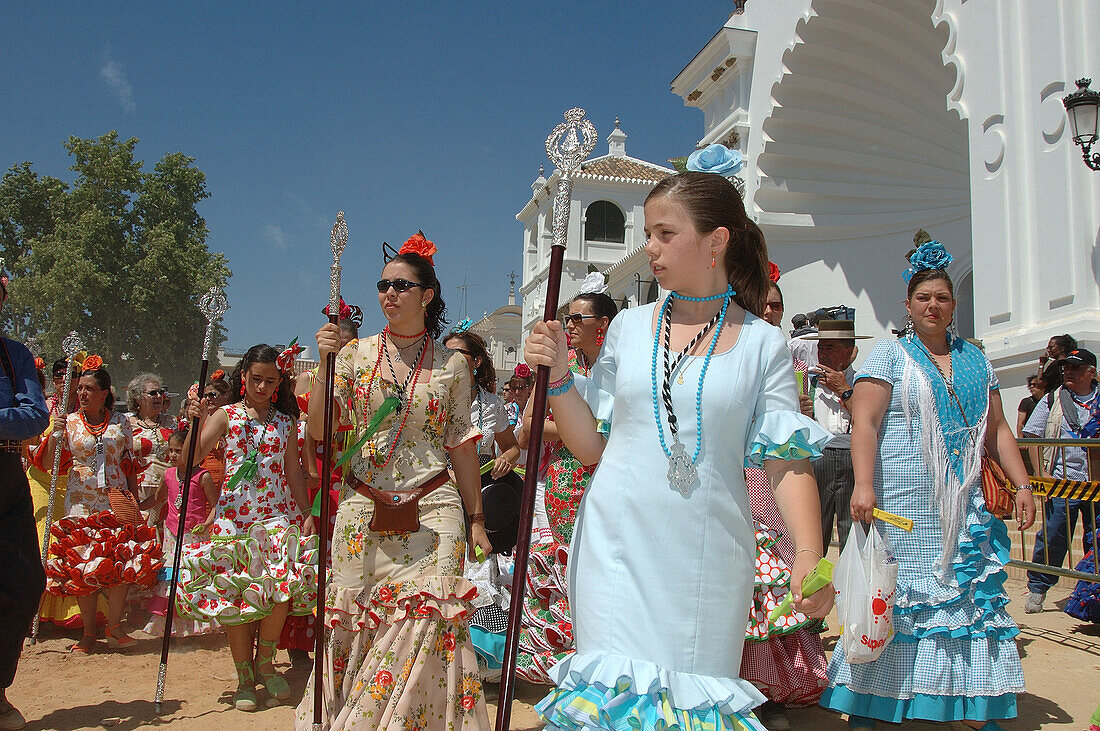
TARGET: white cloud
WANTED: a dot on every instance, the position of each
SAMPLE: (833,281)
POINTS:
(276,237)
(115,76)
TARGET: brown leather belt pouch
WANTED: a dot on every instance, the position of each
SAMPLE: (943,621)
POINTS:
(398,511)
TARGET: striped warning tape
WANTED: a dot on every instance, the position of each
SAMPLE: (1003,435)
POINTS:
(1072,489)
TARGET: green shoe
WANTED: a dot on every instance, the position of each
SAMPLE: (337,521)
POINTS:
(278,689)
(245,697)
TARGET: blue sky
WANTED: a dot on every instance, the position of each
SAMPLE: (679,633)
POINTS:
(405,115)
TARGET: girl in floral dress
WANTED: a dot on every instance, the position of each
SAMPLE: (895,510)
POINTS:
(398,651)
(260,564)
(546,635)
(98,550)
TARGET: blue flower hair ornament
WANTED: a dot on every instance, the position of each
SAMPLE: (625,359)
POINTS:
(463,326)
(716,158)
(929,255)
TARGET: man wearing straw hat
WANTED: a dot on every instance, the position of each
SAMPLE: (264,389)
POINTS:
(832,391)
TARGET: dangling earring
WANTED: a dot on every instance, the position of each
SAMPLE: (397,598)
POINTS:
(952,330)
(909,329)
(599,334)
(713,263)
(242,388)
(275,396)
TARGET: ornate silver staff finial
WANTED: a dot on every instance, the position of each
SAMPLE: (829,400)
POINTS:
(339,241)
(212,305)
(566,150)
(72,344)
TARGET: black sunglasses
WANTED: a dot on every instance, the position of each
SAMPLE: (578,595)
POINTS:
(577,318)
(399,285)
(211,395)
(157,392)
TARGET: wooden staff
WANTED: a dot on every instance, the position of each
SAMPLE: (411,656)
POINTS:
(212,305)
(71,345)
(339,240)
(567,150)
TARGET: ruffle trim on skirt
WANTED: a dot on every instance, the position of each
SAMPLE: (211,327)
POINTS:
(240,579)
(920,706)
(615,692)
(975,604)
(771,584)
(445,597)
(100,551)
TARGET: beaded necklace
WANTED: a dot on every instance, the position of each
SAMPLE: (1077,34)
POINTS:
(682,472)
(403,388)
(408,388)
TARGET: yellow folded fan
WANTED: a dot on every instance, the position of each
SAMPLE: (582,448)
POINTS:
(895,520)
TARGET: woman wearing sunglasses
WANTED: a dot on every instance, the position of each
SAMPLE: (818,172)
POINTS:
(547,635)
(151,428)
(396,599)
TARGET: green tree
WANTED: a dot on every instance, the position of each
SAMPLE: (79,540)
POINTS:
(119,256)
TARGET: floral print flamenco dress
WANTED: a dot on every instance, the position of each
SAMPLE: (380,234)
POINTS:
(94,549)
(399,655)
(546,635)
(256,556)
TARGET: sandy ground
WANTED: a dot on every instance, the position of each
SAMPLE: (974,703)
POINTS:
(56,690)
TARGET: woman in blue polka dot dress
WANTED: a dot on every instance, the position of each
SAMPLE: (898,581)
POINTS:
(926,407)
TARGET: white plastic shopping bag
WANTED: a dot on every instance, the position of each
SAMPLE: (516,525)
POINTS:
(865,579)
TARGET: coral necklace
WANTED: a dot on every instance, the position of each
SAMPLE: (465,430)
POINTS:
(402,401)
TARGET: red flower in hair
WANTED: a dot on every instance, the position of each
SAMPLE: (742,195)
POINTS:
(773,272)
(39,363)
(217,375)
(92,363)
(522,370)
(420,246)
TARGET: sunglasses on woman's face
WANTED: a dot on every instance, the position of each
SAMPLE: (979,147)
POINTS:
(577,318)
(399,285)
(210,395)
(157,392)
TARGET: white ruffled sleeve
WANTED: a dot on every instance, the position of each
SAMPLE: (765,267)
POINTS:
(779,430)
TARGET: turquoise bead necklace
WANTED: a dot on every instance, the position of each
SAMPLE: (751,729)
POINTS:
(682,472)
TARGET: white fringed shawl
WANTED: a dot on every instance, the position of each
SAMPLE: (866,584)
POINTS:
(949,495)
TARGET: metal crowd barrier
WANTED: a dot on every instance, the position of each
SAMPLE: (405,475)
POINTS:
(1047,488)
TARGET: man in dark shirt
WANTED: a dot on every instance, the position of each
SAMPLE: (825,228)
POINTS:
(22,415)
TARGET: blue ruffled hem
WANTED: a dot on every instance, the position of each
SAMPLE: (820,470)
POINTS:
(489,647)
(975,606)
(785,435)
(941,708)
(616,692)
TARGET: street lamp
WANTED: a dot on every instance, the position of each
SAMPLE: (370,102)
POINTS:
(1081,107)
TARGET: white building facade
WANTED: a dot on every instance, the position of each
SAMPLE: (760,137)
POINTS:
(606,222)
(863,121)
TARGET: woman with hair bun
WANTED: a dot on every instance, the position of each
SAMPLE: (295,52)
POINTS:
(926,407)
(684,394)
(398,647)
(261,562)
(103,545)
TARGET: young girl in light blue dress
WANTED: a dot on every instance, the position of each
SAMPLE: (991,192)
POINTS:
(684,395)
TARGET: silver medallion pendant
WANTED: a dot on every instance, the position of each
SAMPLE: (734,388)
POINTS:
(681,470)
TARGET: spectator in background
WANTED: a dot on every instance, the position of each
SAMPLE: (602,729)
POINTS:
(1027,403)
(1070,412)
(1057,348)
(802,345)
(833,381)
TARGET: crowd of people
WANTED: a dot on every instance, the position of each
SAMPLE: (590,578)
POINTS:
(693,464)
